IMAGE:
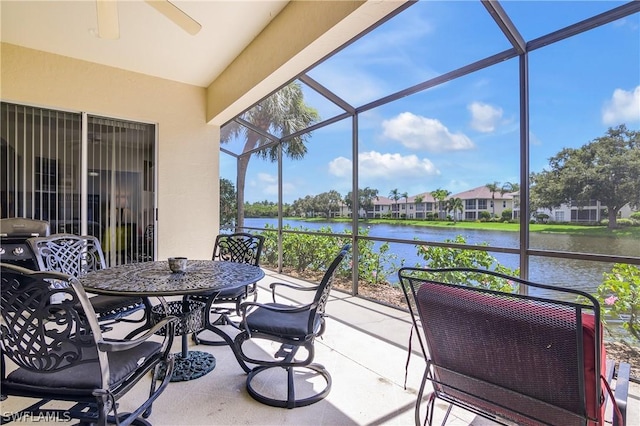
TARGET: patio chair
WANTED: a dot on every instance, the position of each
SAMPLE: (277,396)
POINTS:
(77,255)
(293,327)
(52,349)
(241,248)
(535,359)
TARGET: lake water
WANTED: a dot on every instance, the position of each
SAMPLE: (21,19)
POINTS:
(578,274)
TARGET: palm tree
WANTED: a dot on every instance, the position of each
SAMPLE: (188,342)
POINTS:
(405,195)
(283,113)
(440,195)
(455,205)
(395,196)
(417,201)
(493,187)
(509,187)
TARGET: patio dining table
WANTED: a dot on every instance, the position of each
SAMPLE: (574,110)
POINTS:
(155,279)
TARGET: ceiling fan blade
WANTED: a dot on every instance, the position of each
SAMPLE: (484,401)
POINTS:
(108,25)
(176,15)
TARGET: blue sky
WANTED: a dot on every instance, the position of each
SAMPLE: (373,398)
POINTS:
(464,133)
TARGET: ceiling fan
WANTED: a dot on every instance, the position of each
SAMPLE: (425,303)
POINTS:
(109,26)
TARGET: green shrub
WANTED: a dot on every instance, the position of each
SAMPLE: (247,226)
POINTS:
(620,223)
(619,296)
(312,252)
(444,257)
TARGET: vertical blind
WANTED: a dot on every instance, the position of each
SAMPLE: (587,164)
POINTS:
(41,168)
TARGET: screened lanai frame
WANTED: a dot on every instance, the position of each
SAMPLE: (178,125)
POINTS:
(519,49)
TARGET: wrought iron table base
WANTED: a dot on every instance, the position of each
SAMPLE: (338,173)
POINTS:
(188,365)
(195,364)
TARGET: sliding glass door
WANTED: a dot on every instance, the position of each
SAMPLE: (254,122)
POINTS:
(84,174)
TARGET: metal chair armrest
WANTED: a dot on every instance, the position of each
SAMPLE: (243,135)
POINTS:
(123,345)
(622,392)
(273,286)
(291,309)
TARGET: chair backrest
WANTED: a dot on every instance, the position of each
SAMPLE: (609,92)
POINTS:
(41,337)
(324,288)
(67,253)
(527,358)
(239,247)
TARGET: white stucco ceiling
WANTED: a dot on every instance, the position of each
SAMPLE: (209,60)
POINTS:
(149,43)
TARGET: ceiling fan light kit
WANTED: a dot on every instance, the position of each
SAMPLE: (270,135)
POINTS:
(109,26)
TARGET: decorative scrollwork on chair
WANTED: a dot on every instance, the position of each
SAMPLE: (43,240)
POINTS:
(76,256)
(239,247)
(51,334)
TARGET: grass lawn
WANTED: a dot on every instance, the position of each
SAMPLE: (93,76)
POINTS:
(588,230)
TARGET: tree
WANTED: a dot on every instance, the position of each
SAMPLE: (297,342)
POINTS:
(454,205)
(509,187)
(309,206)
(405,195)
(493,187)
(417,200)
(299,207)
(367,195)
(607,170)
(261,209)
(365,199)
(227,203)
(440,195)
(395,196)
(284,113)
(540,194)
(328,202)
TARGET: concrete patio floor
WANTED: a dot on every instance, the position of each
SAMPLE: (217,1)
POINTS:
(365,350)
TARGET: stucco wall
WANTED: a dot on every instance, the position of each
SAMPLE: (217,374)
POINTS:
(188,147)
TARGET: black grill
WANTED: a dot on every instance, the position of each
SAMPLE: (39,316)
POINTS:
(14,233)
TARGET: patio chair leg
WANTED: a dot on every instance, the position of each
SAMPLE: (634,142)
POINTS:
(290,401)
(227,341)
(446,415)
(213,326)
(429,413)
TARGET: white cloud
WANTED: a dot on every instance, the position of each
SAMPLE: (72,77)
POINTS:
(534,139)
(484,117)
(373,164)
(266,178)
(340,167)
(622,107)
(422,133)
(288,189)
(266,183)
